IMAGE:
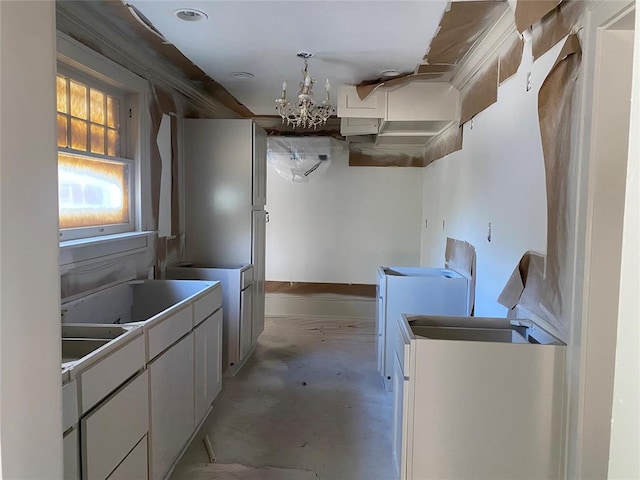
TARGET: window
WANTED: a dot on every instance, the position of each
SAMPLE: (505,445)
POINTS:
(95,177)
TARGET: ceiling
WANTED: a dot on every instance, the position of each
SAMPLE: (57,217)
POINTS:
(352,41)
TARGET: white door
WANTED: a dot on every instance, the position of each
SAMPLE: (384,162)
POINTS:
(208,363)
(259,190)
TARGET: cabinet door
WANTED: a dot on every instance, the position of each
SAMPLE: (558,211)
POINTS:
(259,190)
(172,405)
(246,308)
(208,363)
(380,323)
(258,260)
(134,467)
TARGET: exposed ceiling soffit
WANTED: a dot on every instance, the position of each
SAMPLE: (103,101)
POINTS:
(108,28)
(274,126)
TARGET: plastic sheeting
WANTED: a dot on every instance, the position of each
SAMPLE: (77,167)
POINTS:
(303,159)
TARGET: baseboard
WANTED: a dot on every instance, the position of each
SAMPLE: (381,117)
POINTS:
(319,305)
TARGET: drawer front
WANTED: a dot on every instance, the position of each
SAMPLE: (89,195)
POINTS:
(206,305)
(69,405)
(112,371)
(134,467)
(246,278)
(71,457)
(113,430)
(170,330)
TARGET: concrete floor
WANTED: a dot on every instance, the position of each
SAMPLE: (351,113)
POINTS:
(308,399)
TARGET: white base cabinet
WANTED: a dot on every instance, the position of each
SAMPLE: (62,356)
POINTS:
(134,467)
(481,398)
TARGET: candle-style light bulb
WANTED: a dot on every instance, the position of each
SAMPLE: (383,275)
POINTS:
(327,86)
(307,80)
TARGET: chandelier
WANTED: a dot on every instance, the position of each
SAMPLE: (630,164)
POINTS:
(304,112)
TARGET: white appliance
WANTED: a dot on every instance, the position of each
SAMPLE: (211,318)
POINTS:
(477,398)
(412,290)
(225,220)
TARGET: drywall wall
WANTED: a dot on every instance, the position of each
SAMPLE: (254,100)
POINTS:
(30,401)
(498,179)
(338,227)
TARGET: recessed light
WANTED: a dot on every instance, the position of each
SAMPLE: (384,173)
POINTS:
(190,14)
(390,73)
(241,75)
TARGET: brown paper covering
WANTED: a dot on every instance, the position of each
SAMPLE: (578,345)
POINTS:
(461,27)
(481,92)
(461,257)
(528,12)
(555,109)
(555,26)
(432,69)
(442,145)
(525,284)
(510,57)
(367,88)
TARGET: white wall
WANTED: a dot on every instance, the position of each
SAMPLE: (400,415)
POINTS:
(624,461)
(497,177)
(30,401)
(338,228)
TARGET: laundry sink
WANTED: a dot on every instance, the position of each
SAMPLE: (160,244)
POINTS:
(73,349)
(80,331)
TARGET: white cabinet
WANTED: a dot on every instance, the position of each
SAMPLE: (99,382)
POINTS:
(114,428)
(432,291)
(243,314)
(480,398)
(350,104)
(208,364)
(171,384)
(259,187)
(359,126)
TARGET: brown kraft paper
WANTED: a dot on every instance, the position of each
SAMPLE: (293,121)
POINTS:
(528,12)
(510,57)
(442,145)
(555,26)
(555,109)
(481,92)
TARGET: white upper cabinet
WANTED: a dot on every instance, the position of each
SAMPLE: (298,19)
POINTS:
(350,105)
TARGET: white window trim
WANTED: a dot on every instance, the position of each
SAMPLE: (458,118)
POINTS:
(78,57)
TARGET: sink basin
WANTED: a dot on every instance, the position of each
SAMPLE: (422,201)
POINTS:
(73,349)
(92,331)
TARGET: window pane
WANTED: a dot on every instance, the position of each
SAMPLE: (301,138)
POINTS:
(113,143)
(97,139)
(97,106)
(78,100)
(62,130)
(78,134)
(92,192)
(113,112)
(61,94)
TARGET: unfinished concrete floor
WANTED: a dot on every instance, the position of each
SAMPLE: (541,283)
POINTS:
(308,399)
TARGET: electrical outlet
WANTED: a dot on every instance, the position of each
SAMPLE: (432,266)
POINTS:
(528,81)
(442,224)
(426,223)
(489,232)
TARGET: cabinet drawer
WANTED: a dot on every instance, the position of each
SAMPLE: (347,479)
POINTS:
(246,278)
(134,467)
(71,459)
(206,305)
(109,373)
(168,331)
(112,430)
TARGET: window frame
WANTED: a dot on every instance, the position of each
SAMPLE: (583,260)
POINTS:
(83,64)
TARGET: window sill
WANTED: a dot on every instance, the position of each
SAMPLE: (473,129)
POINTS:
(78,252)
